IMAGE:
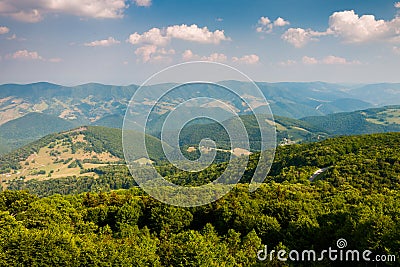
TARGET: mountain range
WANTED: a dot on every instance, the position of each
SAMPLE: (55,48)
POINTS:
(84,104)
(302,111)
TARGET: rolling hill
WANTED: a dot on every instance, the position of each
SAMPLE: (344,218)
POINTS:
(375,120)
(31,127)
(72,153)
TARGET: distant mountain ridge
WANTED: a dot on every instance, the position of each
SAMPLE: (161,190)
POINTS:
(88,103)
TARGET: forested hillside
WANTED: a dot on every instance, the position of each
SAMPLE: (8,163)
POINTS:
(115,223)
(29,128)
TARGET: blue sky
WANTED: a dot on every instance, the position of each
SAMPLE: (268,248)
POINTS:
(123,42)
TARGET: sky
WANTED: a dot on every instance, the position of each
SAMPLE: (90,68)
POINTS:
(119,42)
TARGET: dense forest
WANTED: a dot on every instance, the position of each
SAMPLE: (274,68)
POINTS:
(82,221)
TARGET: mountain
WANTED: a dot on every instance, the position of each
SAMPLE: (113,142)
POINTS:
(88,103)
(111,121)
(296,100)
(381,94)
(288,131)
(73,152)
(31,127)
(80,104)
(375,120)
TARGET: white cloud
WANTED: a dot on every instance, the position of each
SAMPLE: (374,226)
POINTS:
(396,50)
(145,52)
(280,22)
(4,30)
(26,55)
(299,37)
(309,60)
(329,60)
(354,29)
(264,21)
(106,42)
(351,28)
(215,57)
(266,25)
(34,11)
(150,53)
(164,51)
(219,19)
(193,33)
(31,55)
(154,36)
(247,59)
(188,55)
(397,5)
(143,2)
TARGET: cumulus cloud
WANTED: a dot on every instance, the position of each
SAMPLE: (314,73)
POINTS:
(143,2)
(355,29)
(299,37)
(266,25)
(150,53)
(247,59)
(397,5)
(309,60)
(4,30)
(188,55)
(329,60)
(153,36)
(26,55)
(106,42)
(193,33)
(30,55)
(351,28)
(34,11)
(280,22)
(215,57)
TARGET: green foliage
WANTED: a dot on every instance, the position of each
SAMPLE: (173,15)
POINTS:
(31,127)
(128,228)
(356,198)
